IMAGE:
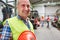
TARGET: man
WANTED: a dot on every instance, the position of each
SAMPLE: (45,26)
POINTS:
(42,21)
(13,27)
(48,19)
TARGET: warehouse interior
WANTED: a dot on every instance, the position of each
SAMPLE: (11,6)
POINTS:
(38,9)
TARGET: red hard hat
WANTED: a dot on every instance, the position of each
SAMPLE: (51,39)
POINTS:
(27,35)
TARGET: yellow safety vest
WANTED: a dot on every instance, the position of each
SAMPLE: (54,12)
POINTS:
(17,27)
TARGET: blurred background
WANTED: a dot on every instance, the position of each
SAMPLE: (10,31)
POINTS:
(40,10)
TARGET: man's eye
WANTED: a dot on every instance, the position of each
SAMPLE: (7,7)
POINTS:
(28,6)
(23,5)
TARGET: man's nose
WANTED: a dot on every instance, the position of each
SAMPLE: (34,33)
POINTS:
(26,8)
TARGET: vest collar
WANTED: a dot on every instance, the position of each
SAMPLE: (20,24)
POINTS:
(19,17)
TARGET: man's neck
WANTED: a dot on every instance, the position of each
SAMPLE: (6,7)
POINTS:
(24,18)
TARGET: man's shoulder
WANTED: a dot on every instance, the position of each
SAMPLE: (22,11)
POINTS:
(11,18)
(6,21)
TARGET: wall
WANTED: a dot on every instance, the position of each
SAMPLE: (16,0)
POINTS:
(52,10)
(40,10)
(49,10)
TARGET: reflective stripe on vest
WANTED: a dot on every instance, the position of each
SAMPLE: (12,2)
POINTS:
(17,27)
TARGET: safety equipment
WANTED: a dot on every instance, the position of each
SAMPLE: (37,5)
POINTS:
(17,26)
(48,19)
(27,35)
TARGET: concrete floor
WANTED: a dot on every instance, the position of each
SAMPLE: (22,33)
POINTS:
(44,33)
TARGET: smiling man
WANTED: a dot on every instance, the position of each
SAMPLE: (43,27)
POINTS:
(23,8)
(13,27)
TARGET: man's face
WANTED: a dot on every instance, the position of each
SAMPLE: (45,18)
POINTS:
(23,8)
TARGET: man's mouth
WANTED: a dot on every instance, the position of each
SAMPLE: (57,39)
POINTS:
(26,12)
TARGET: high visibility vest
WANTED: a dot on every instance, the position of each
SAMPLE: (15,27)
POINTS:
(17,27)
(42,19)
(48,19)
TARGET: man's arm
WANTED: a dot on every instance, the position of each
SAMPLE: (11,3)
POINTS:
(6,32)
